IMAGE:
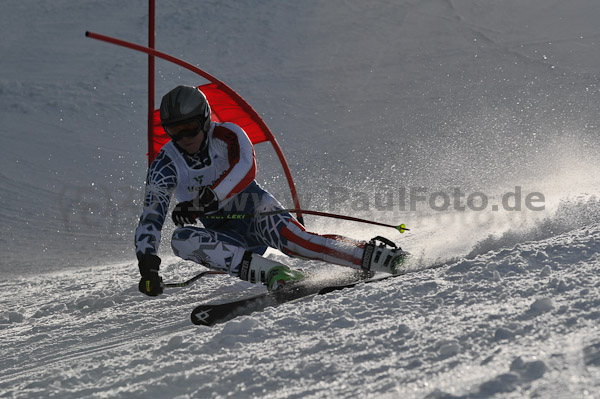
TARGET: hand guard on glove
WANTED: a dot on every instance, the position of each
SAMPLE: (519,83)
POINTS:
(151,283)
(187,212)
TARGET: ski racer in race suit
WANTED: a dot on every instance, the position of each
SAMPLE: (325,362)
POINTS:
(210,167)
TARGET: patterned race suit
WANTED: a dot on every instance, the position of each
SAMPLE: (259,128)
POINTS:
(226,163)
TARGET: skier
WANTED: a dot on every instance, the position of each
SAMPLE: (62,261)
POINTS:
(210,167)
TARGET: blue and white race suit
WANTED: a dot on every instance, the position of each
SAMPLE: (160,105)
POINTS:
(226,163)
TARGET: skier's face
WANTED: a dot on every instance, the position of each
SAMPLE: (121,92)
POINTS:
(188,135)
(191,145)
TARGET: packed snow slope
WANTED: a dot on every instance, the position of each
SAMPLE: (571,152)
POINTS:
(370,102)
(518,322)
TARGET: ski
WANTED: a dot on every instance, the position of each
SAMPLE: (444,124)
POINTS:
(211,314)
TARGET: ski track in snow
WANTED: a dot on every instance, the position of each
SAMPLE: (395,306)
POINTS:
(516,322)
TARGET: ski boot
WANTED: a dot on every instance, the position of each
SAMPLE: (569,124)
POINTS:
(257,269)
(381,258)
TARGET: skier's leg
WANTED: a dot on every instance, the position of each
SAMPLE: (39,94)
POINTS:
(284,232)
(227,251)
(217,250)
(295,241)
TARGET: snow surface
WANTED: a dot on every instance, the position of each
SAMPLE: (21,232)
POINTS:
(367,97)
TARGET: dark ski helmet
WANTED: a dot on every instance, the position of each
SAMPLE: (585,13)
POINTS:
(184,103)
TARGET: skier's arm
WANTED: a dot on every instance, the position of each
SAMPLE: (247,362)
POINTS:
(160,184)
(236,146)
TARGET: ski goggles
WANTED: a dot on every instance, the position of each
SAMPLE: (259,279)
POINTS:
(189,128)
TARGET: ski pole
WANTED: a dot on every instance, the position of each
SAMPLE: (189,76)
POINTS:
(239,216)
(401,228)
(196,277)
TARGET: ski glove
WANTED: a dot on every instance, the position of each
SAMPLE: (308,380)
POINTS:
(151,283)
(187,212)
